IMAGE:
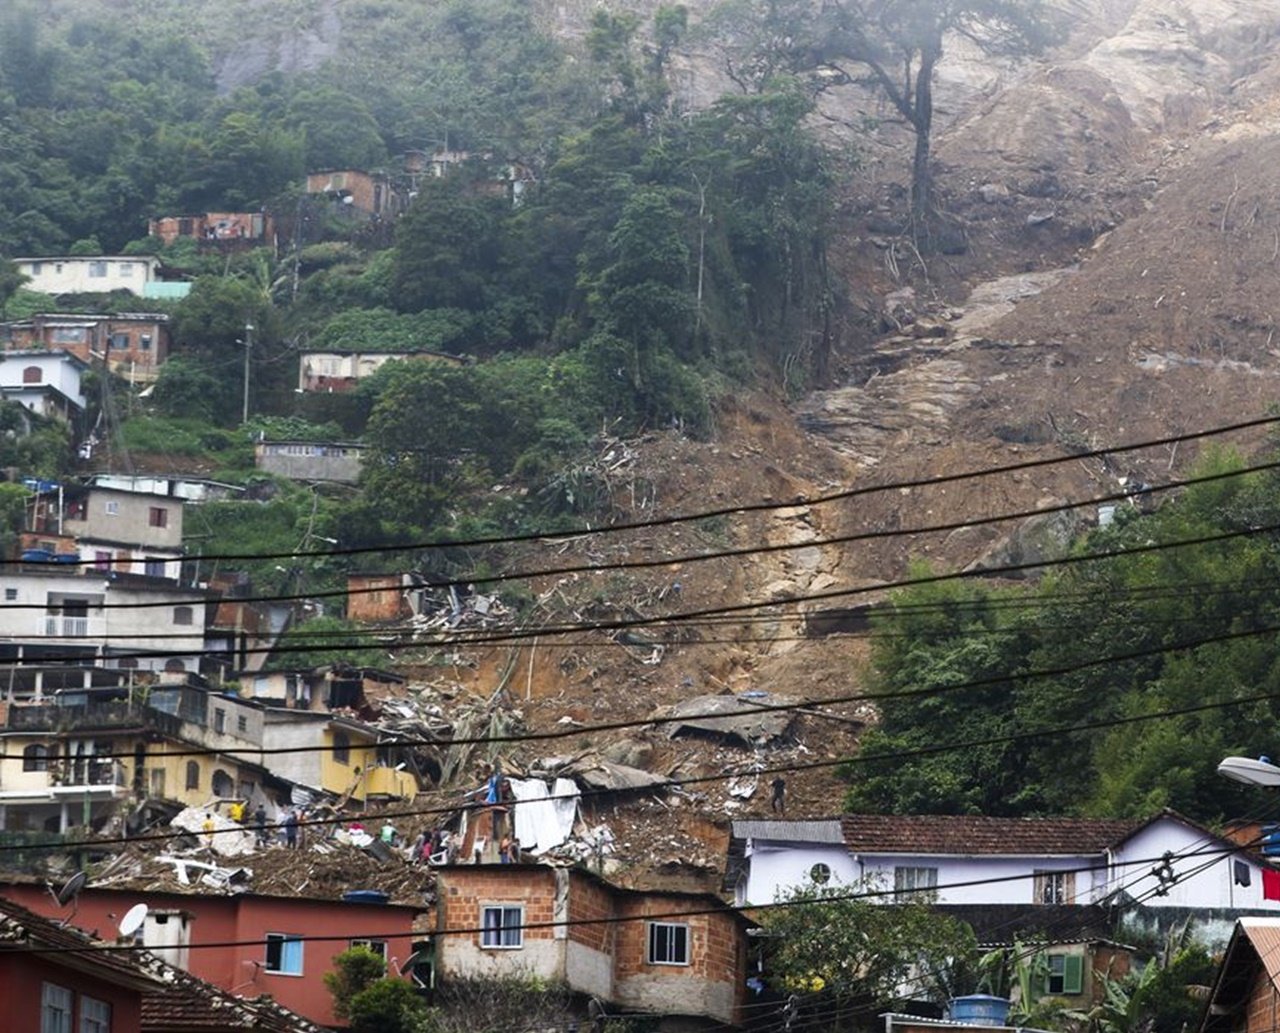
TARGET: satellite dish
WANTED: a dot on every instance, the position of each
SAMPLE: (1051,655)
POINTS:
(132,920)
(68,891)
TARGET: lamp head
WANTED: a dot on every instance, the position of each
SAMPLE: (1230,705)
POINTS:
(1260,772)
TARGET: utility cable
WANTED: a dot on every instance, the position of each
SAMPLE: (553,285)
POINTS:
(754,770)
(753,507)
(766,708)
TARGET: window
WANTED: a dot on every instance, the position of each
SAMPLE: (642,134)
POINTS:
(118,341)
(912,880)
(55,1009)
(668,943)
(820,873)
(502,925)
(284,954)
(69,335)
(193,775)
(341,748)
(10,594)
(242,723)
(158,516)
(1054,888)
(219,720)
(157,783)
(145,341)
(379,947)
(111,508)
(95,1015)
(181,614)
(36,757)
(154,567)
(126,268)
(1066,974)
(32,375)
(97,269)
(101,560)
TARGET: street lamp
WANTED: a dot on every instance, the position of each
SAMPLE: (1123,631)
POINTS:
(1260,772)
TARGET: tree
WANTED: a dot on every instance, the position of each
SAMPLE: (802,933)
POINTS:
(354,970)
(10,281)
(852,951)
(892,47)
(371,1001)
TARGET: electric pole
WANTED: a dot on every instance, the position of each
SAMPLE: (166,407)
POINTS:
(248,348)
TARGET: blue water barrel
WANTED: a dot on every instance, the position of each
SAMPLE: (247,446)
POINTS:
(365,897)
(980,1009)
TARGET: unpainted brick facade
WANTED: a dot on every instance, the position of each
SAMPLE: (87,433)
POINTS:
(603,950)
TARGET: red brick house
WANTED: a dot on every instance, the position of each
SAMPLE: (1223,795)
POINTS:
(672,955)
(1246,993)
(134,345)
(225,230)
(279,946)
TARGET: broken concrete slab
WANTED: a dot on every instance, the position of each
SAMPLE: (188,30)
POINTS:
(731,717)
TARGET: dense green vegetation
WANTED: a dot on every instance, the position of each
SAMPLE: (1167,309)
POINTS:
(1183,638)
(656,258)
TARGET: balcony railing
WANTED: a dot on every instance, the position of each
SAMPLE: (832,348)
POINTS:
(57,626)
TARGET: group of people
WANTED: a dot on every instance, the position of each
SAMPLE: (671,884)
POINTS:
(287,827)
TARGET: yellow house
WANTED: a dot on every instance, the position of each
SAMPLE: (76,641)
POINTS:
(334,754)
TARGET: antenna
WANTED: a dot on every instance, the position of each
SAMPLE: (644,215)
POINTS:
(132,920)
(69,892)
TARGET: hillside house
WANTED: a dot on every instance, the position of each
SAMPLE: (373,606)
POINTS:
(130,532)
(383,597)
(189,489)
(79,274)
(73,755)
(371,194)
(336,371)
(217,230)
(680,959)
(44,382)
(248,944)
(974,861)
(77,615)
(311,461)
(132,345)
(50,984)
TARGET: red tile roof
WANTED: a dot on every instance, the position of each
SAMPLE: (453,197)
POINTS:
(967,835)
(190,1005)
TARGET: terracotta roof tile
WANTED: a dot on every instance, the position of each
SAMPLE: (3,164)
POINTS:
(974,834)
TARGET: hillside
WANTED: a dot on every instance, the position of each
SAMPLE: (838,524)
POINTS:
(1115,250)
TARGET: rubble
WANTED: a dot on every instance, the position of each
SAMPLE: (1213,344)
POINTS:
(739,717)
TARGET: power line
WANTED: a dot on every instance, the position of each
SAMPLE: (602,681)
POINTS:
(720,909)
(754,769)
(620,565)
(849,493)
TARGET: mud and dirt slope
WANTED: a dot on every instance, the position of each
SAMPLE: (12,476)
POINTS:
(1123,251)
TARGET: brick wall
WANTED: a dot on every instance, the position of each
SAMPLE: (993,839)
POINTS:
(589,900)
(1263,1010)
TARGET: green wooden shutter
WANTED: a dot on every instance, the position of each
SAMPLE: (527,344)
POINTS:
(1072,974)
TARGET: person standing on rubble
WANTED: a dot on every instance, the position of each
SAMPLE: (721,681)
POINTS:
(260,824)
(291,830)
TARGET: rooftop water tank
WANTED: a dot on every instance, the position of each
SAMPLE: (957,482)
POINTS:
(980,1010)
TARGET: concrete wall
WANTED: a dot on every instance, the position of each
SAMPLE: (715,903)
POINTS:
(1014,879)
(1200,884)
(126,517)
(310,461)
(775,868)
(68,275)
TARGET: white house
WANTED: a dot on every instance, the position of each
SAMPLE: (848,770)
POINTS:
(45,382)
(1156,871)
(56,613)
(73,274)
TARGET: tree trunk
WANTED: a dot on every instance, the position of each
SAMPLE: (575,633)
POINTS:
(922,123)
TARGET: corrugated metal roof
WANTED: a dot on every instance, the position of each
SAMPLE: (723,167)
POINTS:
(826,830)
